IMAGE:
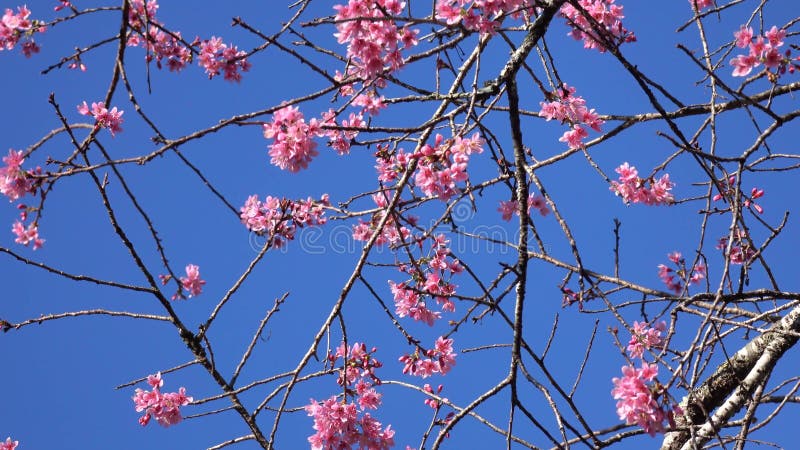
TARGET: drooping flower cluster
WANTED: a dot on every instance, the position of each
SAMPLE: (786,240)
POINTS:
(164,407)
(439,359)
(728,190)
(535,201)
(15,182)
(571,109)
(762,50)
(393,232)
(641,400)
(741,251)
(216,57)
(430,277)
(676,279)
(9,444)
(213,55)
(27,234)
(146,32)
(104,118)
(280,218)
(649,191)
(444,164)
(479,15)
(337,423)
(374,40)
(14,26)
(606,14)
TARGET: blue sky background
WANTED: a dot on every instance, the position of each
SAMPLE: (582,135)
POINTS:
(60,376)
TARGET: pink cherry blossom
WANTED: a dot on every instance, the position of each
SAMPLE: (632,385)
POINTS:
(27,235)
(280,218)
(482,16)
(216,57)
(571,109)
(164,407)
(607,14)
(634,189)
(106,119)
(192,282)
(442,165)
(644,338)
(293,144)
(637,399)
(507,209)
(439,359)
(741,252)
(762,50)
(160,45)
(373,46)
(14,26)
(338,425)
(9,444)
(535,201)
(701,4)
(15,182)
(677,278)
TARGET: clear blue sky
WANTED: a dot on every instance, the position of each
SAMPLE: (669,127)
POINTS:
(59,377)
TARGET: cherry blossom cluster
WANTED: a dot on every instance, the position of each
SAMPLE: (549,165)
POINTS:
(571,109)
(606,14)
(479,15)
(216,57)
(191,283)
(701,4)
(649,191)
(14,26)
(104,118)
(535,201)
(391,166)
(430,277)
(280,218)
(370,102)
(393,233)
(164,407)
(9,444)
(341,136)
(728,190)
(442,165)
(358,364)
(641,400)
(338,426)
(337,423)
(439,359)
(677,278)
(147,33)
(15,183)
(213,55)
(374,40)
(62,4)
(293,144)
(644,338)
(762,50)
(741,252)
